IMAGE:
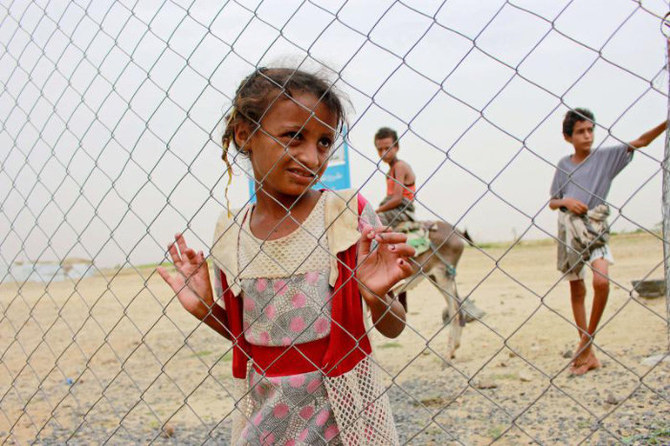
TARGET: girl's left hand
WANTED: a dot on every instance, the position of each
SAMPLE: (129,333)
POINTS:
(380,269)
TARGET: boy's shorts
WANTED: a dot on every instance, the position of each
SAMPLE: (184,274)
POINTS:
(399,214)
(604,252)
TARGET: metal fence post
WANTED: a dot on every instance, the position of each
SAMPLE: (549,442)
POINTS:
(666,188)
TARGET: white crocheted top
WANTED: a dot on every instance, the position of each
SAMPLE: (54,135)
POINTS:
(358,398)
(302,251)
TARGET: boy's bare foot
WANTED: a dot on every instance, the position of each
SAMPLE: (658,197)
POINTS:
(583,349)
(584,359)
(582,365)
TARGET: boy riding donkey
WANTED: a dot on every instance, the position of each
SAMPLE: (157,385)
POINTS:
(397,208)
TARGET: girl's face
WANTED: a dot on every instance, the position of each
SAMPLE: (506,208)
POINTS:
(289,153)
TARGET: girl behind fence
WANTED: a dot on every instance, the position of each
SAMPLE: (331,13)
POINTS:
(290,272)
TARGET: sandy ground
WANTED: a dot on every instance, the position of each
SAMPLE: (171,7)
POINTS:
(114,357)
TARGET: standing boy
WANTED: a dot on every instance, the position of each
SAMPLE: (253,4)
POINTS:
(398,206)
(580,186)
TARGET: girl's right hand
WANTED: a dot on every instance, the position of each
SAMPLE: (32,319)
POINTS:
(191,283)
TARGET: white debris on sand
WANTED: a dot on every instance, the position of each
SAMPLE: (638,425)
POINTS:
(655,359)
(71,268)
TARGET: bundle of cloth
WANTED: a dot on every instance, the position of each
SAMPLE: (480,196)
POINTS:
(579,236)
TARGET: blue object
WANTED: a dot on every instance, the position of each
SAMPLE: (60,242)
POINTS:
(68,381)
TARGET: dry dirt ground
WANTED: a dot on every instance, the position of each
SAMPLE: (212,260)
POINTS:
(115,358)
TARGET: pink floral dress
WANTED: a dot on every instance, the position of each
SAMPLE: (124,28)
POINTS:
(286,301)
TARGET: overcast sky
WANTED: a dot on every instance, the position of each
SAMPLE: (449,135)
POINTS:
(111,111)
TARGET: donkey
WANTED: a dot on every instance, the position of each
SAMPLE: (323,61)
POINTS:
(438,264)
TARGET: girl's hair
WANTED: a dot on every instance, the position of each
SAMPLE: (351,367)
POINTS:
(258,91)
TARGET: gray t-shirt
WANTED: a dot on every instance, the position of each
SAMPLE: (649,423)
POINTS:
(590,180)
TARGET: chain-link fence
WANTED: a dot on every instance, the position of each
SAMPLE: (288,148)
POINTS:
(112,116)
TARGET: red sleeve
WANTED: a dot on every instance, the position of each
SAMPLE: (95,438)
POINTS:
(224,297)
(361,204)
(233,324)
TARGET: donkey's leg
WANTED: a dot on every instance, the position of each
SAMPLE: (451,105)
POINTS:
(402,297)
(445,311)
(457,329)
(446,284)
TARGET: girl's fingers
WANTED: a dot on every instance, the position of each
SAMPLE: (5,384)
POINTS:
(402,249)
(380,229)
(190,254)
(391,237)
(365,242)
(200,259)
(174,254)
(405,267)
(165,275)
(181,242)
